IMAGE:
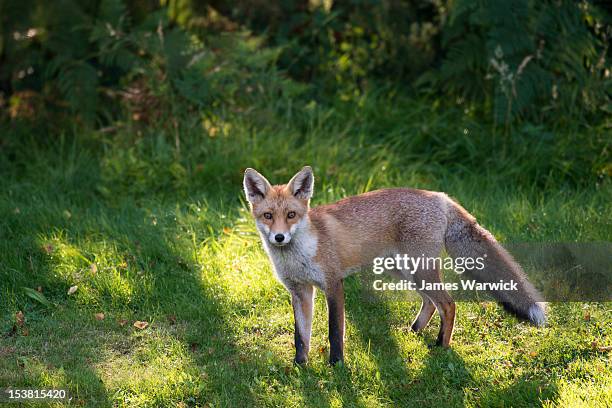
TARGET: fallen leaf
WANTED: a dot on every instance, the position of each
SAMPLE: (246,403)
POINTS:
(141,325)
(99,316)
(533,354)
(122,322)
(227,230)
(20,318)
(586,316)
(72,289)
(93,267)
(604,348)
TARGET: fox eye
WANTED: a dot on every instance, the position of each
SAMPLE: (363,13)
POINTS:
(268,216)
(291,214)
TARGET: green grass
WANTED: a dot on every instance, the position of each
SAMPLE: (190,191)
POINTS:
(173,245)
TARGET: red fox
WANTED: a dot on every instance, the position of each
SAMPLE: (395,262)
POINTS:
(319,247)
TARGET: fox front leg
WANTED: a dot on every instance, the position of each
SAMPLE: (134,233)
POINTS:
(335,308)
(302,301)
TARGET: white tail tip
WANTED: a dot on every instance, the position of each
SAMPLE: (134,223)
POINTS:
(537,313)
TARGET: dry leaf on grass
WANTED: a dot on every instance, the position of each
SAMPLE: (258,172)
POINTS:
(597,347)
(99,316)
(72,289)
(20,318)
(141,325)
(122,322)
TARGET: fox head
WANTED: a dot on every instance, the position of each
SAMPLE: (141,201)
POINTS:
(279,211)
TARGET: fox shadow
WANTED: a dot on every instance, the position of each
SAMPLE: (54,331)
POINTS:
(441,369)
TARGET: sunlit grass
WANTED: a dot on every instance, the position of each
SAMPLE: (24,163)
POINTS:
(149,235)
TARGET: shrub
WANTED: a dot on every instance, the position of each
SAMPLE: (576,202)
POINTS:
(527,60)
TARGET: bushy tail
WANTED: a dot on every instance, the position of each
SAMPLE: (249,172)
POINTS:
(465,238)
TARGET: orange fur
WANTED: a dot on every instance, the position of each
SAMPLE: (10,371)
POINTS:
(323,245)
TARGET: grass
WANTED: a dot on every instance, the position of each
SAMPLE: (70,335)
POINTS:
(152,232)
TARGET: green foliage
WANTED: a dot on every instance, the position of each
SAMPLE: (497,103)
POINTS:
(37,296)
(343,46)
(89,54)
(509,78)
(528,60)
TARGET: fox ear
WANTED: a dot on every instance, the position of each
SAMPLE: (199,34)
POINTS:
(302,184)
(255,186)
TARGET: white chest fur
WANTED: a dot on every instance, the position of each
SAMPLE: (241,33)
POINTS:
(294,263)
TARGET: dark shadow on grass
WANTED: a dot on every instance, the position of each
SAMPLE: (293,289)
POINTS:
(175,292)
(524,392)
(444,370)
(46,346)
(444,380)
(164,281)
(371,320)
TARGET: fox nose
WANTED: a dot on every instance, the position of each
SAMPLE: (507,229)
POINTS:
(279,237)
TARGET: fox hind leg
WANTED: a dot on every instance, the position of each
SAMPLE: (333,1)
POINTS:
(425,314)
(442,301)
(446,308)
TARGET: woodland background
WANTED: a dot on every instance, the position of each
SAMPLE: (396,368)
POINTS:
(131,273)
